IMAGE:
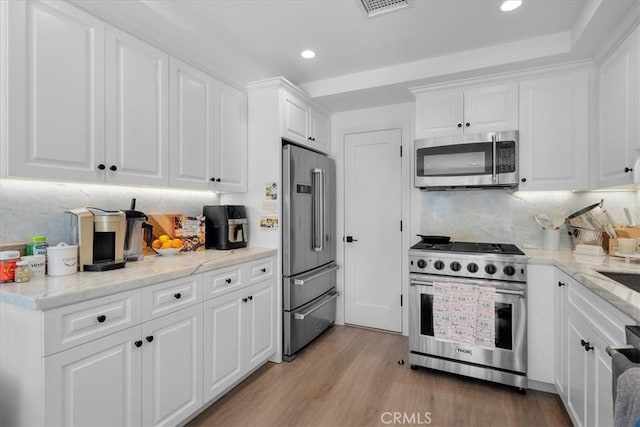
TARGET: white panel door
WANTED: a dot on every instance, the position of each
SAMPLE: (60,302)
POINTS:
(260,331)
(541,328)
(373,188)
(137,129)
(439,114)
(491,109)
(172,367)
(295,117)
(320,131)
(580,372)
(222,343)
(554,132)
(56,92)
(95,384)
(231,139)
(192,127)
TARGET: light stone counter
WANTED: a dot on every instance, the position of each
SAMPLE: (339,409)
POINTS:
(53,292)
(585,270)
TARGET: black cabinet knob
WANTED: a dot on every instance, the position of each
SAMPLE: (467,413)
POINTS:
(101,318)
(459,125)
(467,124)
(138,344)
(218,180)
(113,168)
(212,179)
(177,296)
(524,180)
(309,138)
(586,344)
(627,170)
(149,338)
(561,284)
(244,299)
(101,166)
(264,270)
(228,280)
(250,297)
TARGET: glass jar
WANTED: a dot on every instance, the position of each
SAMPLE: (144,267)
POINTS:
(22,273)
(8,261)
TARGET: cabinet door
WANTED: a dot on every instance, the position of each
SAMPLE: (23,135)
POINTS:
(554,132)
(222,344)
(561,288)
(491,109)
(192,127)
(439,114)
(320,131)
(231,138)
(618,111)
(602,415)
(295,117)
(259,318)
(97,383)
(580,374)
(137,128)
(55,92)
(541,326)
(172,367)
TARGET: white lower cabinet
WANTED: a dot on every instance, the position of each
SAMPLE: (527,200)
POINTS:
(540,325)
(239,335)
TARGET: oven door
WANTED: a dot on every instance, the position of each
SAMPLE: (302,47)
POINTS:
(510,325)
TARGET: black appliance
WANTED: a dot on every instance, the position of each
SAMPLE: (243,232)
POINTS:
(225,227)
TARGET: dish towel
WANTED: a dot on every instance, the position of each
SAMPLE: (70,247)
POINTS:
(626,409)
(464,313)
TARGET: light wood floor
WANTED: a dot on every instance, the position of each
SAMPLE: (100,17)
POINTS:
(351,377)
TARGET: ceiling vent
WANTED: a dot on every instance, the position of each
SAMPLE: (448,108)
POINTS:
(378,7)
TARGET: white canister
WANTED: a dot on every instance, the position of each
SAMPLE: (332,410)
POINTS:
(626,246)
(62,259)
(36,265)
(550,239)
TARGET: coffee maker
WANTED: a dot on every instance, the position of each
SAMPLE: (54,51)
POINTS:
(225,227)
(136,224)
(100,236)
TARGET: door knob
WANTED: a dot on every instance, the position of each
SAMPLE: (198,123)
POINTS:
(350,239)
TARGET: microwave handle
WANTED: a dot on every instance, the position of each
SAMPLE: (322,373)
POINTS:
(494,177)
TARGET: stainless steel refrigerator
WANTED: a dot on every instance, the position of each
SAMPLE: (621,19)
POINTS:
(309,247)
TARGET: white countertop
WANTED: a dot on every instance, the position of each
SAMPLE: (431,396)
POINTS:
(585,270)
(52,292)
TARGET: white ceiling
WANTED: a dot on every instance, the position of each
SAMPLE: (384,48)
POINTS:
(364,61)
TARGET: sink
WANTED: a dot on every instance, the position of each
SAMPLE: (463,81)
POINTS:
(630,280)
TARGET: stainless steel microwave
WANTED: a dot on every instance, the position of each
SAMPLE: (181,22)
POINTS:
(469,161)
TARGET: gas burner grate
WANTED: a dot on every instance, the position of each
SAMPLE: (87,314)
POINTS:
(378,7)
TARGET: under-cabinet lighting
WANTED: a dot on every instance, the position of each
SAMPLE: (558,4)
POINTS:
(510,5)
(308,54)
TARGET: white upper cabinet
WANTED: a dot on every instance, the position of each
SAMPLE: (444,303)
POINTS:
(56,92)
(458,112)
(208,131)
(304,123)
(618,143)
(137,127)
(554,132)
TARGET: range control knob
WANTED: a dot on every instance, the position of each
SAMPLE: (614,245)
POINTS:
(490,269)
(509,270)
(439,265)
(455,266)
(422,263)
(472,268)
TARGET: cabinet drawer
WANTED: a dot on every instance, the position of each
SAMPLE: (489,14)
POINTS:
(260,269)
(602,316)
(66,327)
(167,297)
(220,282)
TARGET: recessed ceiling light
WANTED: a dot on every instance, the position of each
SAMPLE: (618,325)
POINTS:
(510,5)
(308,54)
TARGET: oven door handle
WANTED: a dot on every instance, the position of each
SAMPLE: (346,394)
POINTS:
(416,282)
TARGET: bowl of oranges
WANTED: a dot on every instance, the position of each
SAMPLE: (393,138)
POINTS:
(166,246)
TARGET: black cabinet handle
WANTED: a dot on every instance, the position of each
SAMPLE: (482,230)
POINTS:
(101,167)
(244,299)
(524,180)
(586,344)
(212,179)
(560,284)
(264,270)
(218,179)
(113,168)
(138,344)
(459,125)
(627,170)
(228,280)
(177,296)
(250,297)
(467,124)
(101,318)
(149,338)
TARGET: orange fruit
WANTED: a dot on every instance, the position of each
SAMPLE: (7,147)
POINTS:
(176,243)
(166,245)
(156,244)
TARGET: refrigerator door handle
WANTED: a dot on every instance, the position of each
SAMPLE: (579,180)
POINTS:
(318,209)
(326,300)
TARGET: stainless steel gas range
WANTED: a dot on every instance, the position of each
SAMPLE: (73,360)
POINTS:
(467,310)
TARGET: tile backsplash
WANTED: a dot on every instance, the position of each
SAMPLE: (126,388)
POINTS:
(507,217)
(30,208)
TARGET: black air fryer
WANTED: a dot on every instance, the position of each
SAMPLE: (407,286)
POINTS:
(225,227)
